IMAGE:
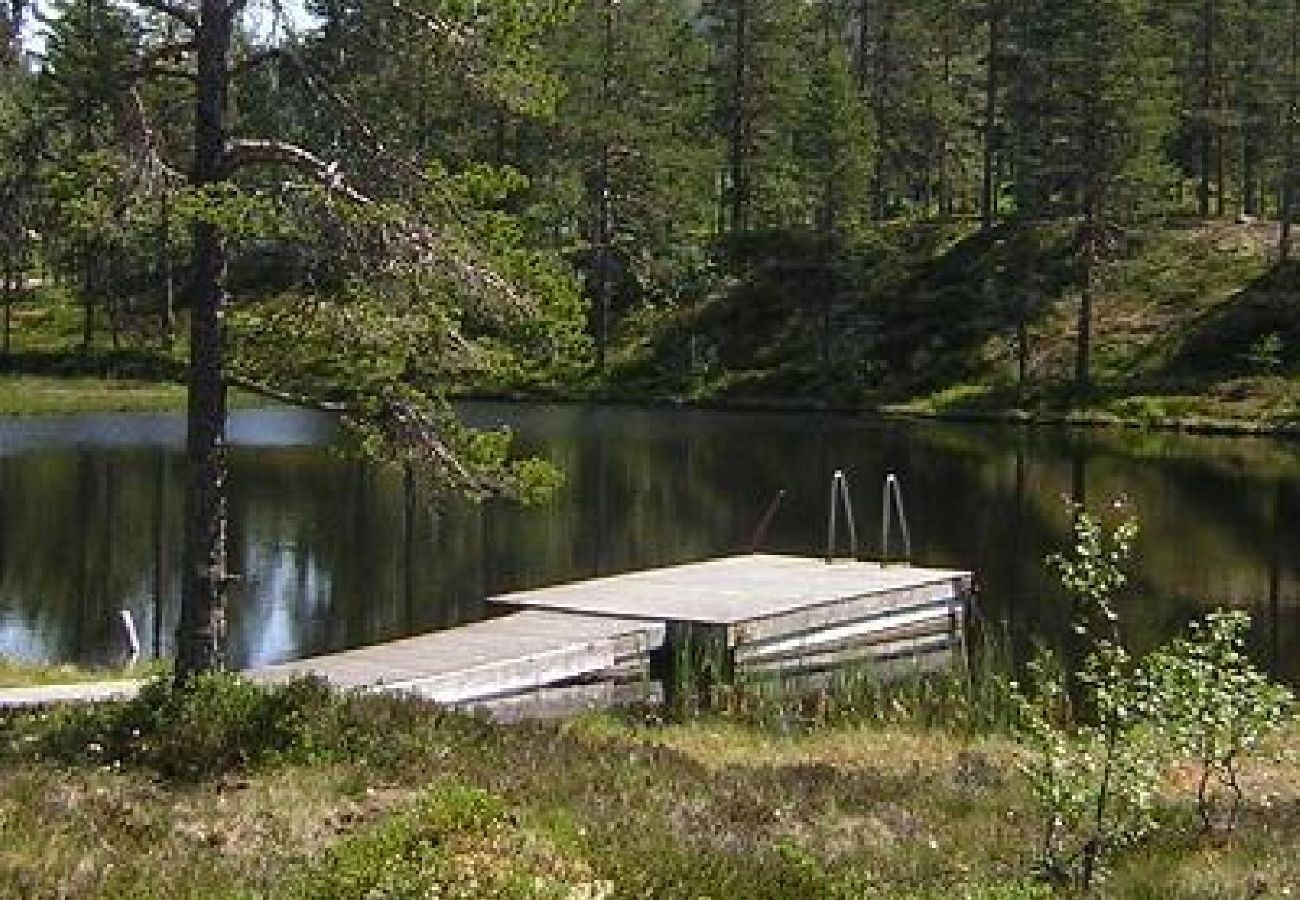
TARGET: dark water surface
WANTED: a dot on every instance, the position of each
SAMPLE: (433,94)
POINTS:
(334,553)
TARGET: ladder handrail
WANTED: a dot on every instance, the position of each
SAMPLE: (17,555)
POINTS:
(840,494)
(892,499)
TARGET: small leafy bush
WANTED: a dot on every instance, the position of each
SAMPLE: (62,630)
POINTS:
(1265,356)
(1099,741)
(1210,700)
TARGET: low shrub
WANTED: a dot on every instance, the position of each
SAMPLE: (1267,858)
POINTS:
(220,723)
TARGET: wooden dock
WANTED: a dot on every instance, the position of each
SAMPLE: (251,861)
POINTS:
(651,634)
(505,657)
(766,615)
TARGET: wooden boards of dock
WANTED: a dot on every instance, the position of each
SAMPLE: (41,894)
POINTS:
(656,634)
(501,663)
(650,635)
(763,615)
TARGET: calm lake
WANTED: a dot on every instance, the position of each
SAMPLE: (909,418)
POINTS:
(334,553)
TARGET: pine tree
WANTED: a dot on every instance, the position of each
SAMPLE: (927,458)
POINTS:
(629,162)
(761,82)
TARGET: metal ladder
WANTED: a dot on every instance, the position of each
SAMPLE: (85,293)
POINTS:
(840,496)
(891,500)
(891,508)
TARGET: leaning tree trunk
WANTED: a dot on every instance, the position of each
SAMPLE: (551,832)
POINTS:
(205,580)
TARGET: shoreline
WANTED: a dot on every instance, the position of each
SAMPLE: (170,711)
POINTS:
(902,412)
(29,396)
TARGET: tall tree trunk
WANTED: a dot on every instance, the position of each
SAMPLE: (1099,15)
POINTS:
(988,186)
(1083,349)
(159,548)
(1206,135)
(1251,115)
(111,307)
(167,311)
(1022,124)
(945,176)
(863,65)
(603,227)
(1088,244)
(89,285)
(205,577)
(828,214)
(1026,303)
(11,286)
(1289,163)
(739,149)
(1220,177)
(408,544)
(879,185)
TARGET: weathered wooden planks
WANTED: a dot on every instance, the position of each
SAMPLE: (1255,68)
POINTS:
(492,658)
(765,614)
(737,589)
(643,634)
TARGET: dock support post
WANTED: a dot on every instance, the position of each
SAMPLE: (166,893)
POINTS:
(696,661)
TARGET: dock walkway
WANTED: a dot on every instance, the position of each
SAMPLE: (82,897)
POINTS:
(617,638)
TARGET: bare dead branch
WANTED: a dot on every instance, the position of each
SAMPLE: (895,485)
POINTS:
(250,152)
(139,134)
(414,429)
(322,86)
(458,37)
(411,429)
(300,400)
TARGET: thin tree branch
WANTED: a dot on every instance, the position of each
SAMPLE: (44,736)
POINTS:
(299,400)
(169,72)
(250,152)
(183,14)
(407,425)
(144,138)
(457,36)
(169,52)
(253,60)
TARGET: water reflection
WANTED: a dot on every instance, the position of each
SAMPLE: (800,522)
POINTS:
(333,553)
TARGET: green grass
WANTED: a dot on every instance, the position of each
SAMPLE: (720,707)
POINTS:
(239,792)
(27,395)
(1250,405)
(15,674)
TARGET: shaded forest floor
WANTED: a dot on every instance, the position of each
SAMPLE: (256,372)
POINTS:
(1195,326)
(302,796)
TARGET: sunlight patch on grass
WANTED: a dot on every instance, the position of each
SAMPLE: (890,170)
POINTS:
(24,395)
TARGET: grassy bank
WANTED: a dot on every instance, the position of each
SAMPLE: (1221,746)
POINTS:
(50,371)
(26,395)
(298,793)
(17,675)
(1196,326)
